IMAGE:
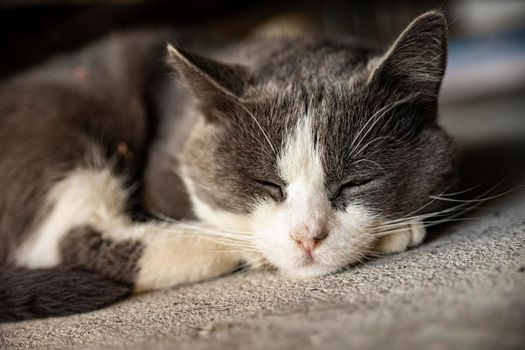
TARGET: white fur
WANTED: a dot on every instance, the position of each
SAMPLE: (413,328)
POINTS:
(307,211)
(175,256)
(301,168)
(213,216)
(86,196)
(173,253)
(411,235)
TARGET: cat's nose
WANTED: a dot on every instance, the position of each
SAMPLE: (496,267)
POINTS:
(309,244)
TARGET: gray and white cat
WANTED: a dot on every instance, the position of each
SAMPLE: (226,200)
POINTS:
(306,155)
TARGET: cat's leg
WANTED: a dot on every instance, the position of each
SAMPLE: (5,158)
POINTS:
(85,226)
(150,255)
(411,235)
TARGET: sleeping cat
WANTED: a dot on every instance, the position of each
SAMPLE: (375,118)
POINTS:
(304,155)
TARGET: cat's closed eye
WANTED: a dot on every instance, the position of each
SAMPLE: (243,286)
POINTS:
(275,190)
(354,184)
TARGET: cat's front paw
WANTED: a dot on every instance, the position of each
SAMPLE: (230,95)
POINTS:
(404,238)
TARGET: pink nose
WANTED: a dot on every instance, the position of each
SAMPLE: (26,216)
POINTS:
(309,244)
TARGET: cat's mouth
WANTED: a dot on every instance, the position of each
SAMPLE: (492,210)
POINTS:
(308,259)
(308,268)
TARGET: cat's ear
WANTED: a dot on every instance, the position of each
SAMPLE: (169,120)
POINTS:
(417,59)
(216,85)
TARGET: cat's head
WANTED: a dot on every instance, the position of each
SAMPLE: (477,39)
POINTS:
(316,145)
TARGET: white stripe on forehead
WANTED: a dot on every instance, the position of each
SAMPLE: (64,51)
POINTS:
(300,162)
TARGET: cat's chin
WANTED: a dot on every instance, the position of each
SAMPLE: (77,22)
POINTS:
(309,271)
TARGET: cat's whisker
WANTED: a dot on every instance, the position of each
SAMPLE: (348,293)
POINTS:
(230,241)
(424,205)
(219,232)
(228,251)
(388,232)
(476,200)
(402,221)
(264,146)
(198,226)
(366,145)
(358,259)
(451,219)
(371,254)
(232,246)
(376,117)
(472,188)
(369,161)
(211,231)
(427,215)
(373,120)
(410,219)
(463,207)
(258,125)
(222,239)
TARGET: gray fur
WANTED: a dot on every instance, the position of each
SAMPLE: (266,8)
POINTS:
(51,122)
(26,294)
(341,86)
(86,248)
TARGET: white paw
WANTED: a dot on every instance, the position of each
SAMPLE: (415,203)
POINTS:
(404,238)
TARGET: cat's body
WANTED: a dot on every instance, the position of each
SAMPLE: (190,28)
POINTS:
(306,155)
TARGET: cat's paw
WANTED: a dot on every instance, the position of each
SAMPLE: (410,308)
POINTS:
(410,236)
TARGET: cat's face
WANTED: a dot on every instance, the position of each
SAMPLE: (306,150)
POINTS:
(310,166)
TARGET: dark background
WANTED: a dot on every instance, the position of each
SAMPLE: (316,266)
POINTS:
(32,30)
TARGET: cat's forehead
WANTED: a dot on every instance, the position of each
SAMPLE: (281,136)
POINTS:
(334,96)
(332,108)
(311,62)
(293,100)
(337,116)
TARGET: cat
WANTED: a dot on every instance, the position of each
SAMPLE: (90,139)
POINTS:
(122,174)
